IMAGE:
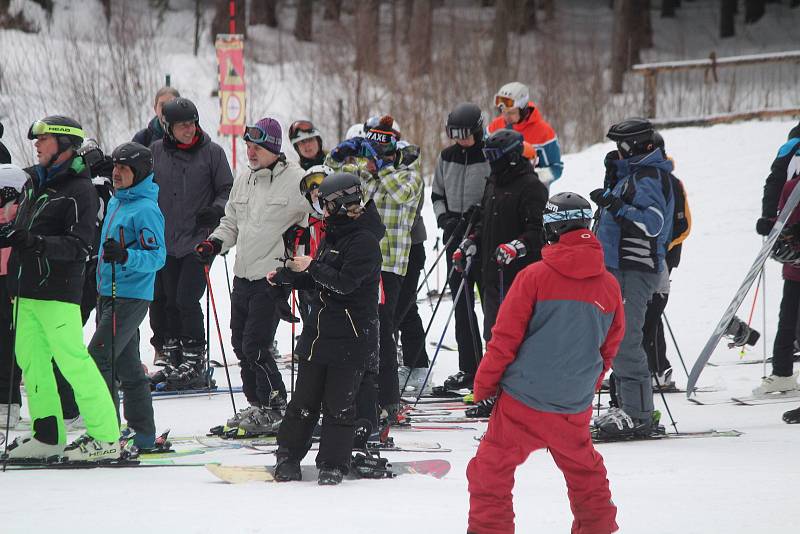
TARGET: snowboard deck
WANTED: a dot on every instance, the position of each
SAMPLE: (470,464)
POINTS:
(421,447)
(239,474)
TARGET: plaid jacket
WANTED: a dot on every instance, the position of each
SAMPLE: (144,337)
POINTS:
(396,193)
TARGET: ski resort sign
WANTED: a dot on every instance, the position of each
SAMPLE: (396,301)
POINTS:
(230,56)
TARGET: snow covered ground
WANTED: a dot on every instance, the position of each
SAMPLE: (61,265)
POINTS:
(733,485)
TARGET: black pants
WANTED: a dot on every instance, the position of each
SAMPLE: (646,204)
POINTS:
(468,337)
(407,319)
(492,297)
(184,284)
(158,312)
(333,390)
(788,330)
(10,373)
(388,387)
(134,383)
(253,325)
(654,343)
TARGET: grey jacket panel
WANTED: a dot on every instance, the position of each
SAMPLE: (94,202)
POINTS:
(461,185)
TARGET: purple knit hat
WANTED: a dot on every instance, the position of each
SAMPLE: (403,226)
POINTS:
(265,133)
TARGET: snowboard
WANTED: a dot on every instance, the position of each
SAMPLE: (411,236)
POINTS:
(187,393)
(238,474)
(410,446)
(741,293)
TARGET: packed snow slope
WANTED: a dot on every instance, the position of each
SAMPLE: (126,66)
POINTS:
(732,485)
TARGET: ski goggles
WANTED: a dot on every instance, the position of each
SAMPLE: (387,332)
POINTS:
(338,195)
(42,128)
(311,182)
(494,154)
(458,133)
(504,102)
(301,126)
(567,215)
(256,135)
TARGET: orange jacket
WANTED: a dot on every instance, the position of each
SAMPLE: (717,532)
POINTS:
(534,129)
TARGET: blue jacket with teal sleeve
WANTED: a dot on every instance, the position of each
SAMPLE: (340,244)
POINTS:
(135,212)
(635,237)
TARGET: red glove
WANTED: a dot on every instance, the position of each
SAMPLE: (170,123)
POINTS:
(467,249)
(508,252)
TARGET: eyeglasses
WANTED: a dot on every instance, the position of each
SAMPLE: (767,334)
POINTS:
(41,128)
(311,182)
(458,133)
(255,134)
(301,126)
(503,102)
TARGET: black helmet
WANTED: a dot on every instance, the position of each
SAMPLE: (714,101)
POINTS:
(633,136)
(137,157)
(658,140)
(785,249)
(340,189)
(503,149)
(465,120)
(179,110)
(563,213)
(68,132)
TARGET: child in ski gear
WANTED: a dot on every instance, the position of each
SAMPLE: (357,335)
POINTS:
(774,183)
(518,112)
(312,235)
(12,180)
(307,142)
(396,192)
(334,349)
(131,253)
(547,377)
(264,202)
(194,181)
(459,180)
(635,228)
(787,251)
(52,237)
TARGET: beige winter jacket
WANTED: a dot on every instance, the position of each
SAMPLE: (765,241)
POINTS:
(263,204)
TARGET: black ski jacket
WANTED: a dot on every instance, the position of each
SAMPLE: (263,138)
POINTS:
(61,206)
(777,174)
(343,327)
(511,208)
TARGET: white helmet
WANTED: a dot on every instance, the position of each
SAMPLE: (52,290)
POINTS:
(311,180)
(12,176)
(512,95)
(356,130)
(303,129)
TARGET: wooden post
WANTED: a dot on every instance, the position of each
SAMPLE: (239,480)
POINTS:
(650,88)
(340,121)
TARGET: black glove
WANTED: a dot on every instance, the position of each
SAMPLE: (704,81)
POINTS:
(114,252)
(206,250)
(448,222)
(8,194)
(209,216)
(764,225)
(611,169)
(605,199)
(295,237)
(21,239)
(278,295)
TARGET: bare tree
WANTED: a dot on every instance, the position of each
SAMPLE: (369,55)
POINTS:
(221,21)
(619,43)
(333,8)
(754,10)
(498,57)
(367,38)
(405,18)
(106,4)
(264,12)
(304,21)
(525,18)
(641,30)
(727,18)
(549,7)
(668,8)
(197,18)
(421,35)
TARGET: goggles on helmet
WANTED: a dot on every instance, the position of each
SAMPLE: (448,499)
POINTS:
(41,128)
(301,126)
(311,182)
(255,134)
(494,154)
(454,132)
(504,102)
(567,215)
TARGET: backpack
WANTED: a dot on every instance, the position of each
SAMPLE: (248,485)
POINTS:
(681,220)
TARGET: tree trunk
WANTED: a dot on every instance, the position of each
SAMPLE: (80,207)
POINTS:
(619,43)
(221,21)
(197,16)
(754,10)
(646,31)
(526,16)
(421,35)
(264,12)
(367,39)
(549,7)
(304,21)
(333,8)
(106,4)
(405,19)
(668,8)
(727,18)
(498,57)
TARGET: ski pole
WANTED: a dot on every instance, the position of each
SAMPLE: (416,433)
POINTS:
(438,279)
(219,333)
(502,283)
(664,399)
(208,345)
(436,261)
(470,224)
(14,327)
(444,330)
(227,276)
(293,343)
(764,315)
(471,319)
(674,342)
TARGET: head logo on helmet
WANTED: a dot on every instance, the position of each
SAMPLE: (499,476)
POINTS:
(68,133)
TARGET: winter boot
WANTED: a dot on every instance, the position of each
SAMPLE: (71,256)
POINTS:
(776,384)
(663,381)
(482,409)
(30,448)
(330,475)
(168,354)
(160,376)
(616,424)
(265,420)
(191,373)
(10,413)
(243,414)
(460,380)
(287,469)
(417,378)
(792,417)
(88,449)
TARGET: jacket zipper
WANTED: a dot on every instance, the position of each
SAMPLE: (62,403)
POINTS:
(311,352)
(351,321)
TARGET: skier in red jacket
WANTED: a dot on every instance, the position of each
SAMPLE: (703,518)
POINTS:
(555,337)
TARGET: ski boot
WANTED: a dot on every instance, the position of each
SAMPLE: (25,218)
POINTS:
(370,466)
(460,380)
(663,381)
(617,425)
(169,354)
(265,420)
(30,448)
(481,409)
(330,475)
(286,468)
(792,417)
(88,449)
(191,373)
(776,384)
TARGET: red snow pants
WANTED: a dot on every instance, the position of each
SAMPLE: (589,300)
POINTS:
(516,430)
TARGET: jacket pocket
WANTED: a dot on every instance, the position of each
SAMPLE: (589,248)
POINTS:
(274,209)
